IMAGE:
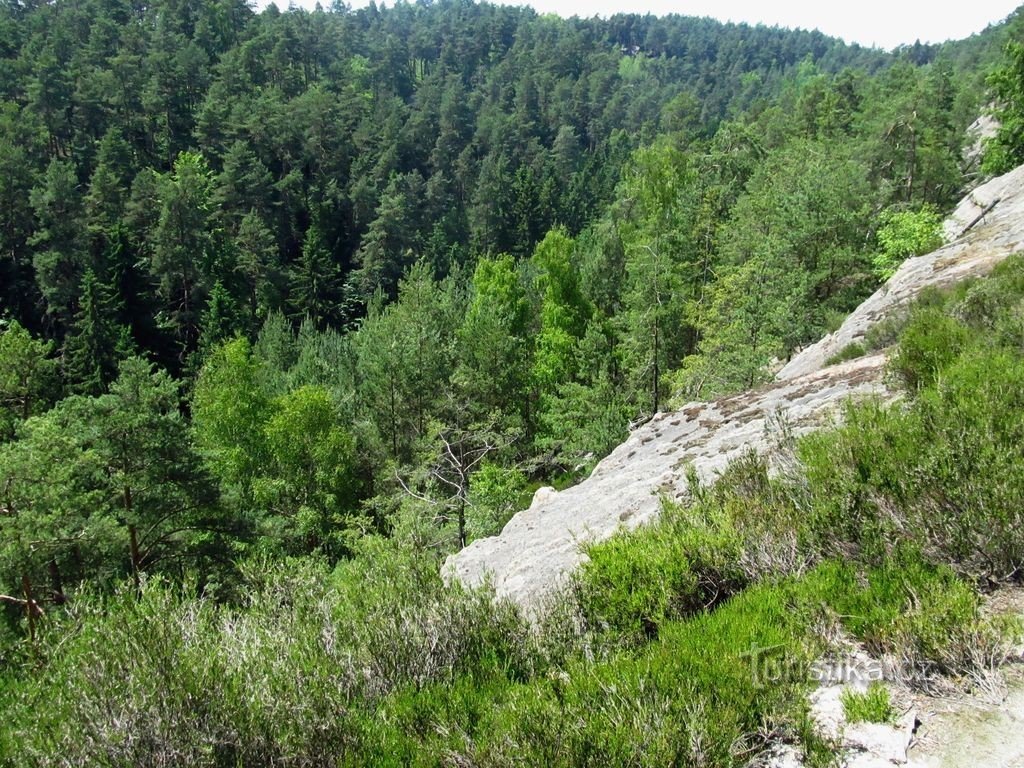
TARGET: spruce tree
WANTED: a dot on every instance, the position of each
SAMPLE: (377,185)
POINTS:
(91,348)
(315,280)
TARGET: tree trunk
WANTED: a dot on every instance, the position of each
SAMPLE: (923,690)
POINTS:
(133,542)
(56,584)
(31,608)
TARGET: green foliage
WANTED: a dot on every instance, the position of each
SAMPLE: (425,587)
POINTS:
(691,696)
(229,408)
(60,259)
(634,582)
(404,352)
(92,348)
(173,183)
(181,244)
(494,342)
(870,706)
(268,686)
(851,351)
(739,531)
(309,481)
(285,461)
(942,471)
(796,232)
(1006,150)
(495,494)
(564,311)
(28,377)
(886,332)
(660,263)
(930,341)
(904,234)
(97,484)
(315,288)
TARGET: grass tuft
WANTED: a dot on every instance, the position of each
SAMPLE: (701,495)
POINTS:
(870,706)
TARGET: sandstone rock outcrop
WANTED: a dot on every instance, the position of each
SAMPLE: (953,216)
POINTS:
(540,546)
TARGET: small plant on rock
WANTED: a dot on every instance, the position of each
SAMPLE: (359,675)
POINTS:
(870,706)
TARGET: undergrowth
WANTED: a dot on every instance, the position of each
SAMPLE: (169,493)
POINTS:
(686,642)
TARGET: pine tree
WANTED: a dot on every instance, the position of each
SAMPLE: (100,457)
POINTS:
(28,376)
(259,267)
(181,245)
(244,186)
(220,318)
(60,258)
(1006,150)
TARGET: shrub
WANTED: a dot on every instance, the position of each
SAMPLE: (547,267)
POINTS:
(851,351)
(292,678)
(886,331)
(632,582)
(855,475)
(904,234)
(696,697)
(930,341)
(968,485)
(496,494)
(685,563)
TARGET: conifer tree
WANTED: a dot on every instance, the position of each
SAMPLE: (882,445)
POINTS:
(92,346)
(60,257)
(315,288)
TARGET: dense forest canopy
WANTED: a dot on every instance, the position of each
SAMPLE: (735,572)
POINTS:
(266,148)
(273,282)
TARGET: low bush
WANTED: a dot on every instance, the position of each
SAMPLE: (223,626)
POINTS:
(851,351)
(454,678)
(930,341)
(689,562)
(946,473)
(886,332)
(699,696)
(292,678)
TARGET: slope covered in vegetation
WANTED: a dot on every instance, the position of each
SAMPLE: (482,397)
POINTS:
(882,526)
(696,441)
(294,304)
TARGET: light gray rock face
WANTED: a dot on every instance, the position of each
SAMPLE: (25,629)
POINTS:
(977,245)
(982,129)
(540,546)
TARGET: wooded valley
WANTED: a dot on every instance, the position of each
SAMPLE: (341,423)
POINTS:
(294,304)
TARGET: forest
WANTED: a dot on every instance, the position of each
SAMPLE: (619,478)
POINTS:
(293,304)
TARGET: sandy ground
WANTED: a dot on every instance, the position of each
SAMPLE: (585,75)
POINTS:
(973,732)
(984,729)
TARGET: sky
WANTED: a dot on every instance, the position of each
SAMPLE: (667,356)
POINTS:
(882,23)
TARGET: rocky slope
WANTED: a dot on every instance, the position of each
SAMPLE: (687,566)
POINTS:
(541,545)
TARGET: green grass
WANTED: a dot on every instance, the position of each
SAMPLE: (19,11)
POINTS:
(870,706)
(851,351)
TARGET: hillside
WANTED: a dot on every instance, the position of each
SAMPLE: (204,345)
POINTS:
(538,547)
(299,310)
(381,136)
